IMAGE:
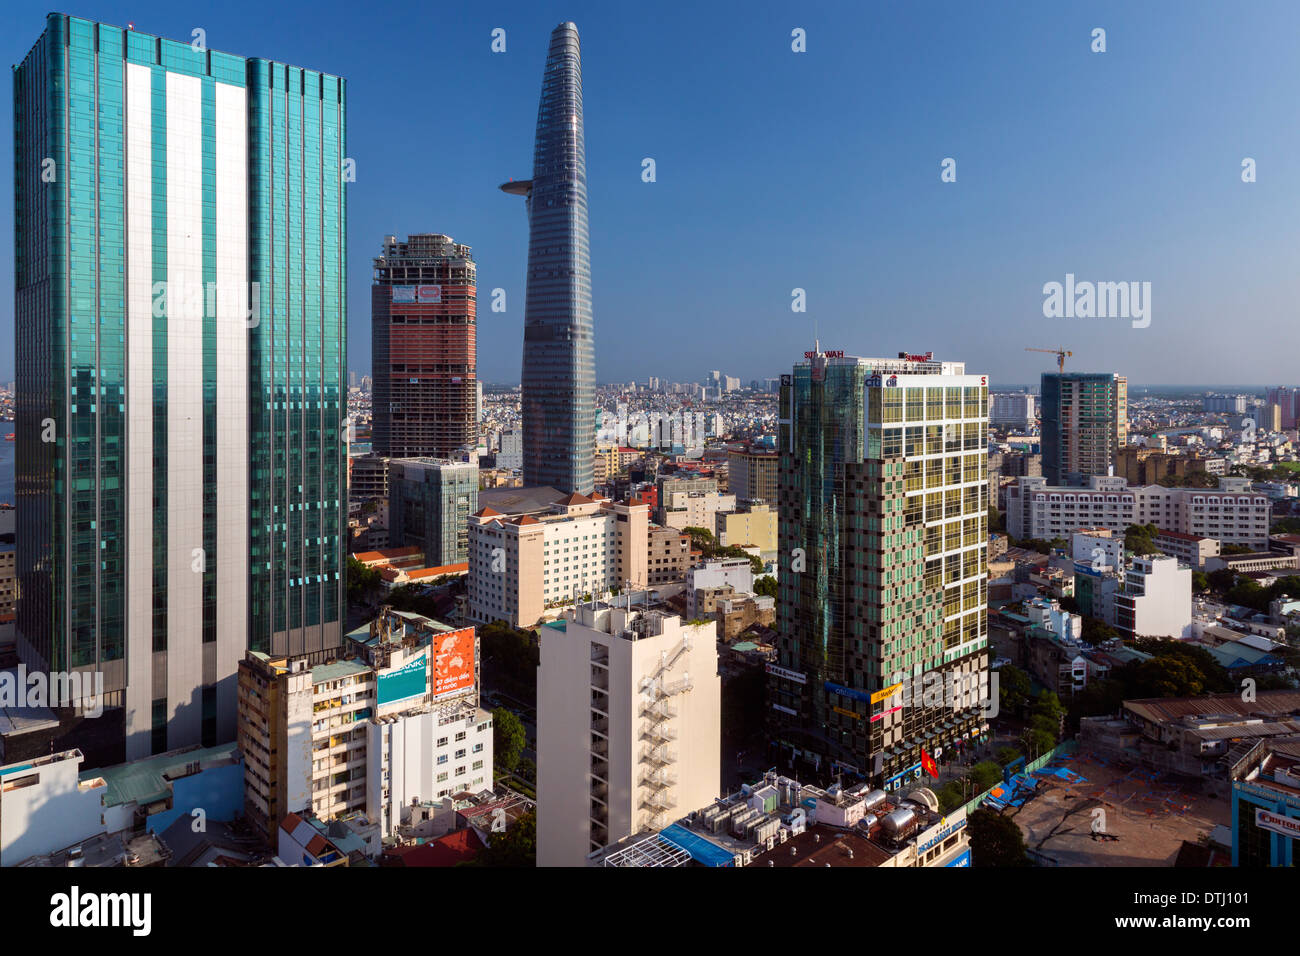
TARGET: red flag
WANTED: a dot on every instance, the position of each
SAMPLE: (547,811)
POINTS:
(928,764)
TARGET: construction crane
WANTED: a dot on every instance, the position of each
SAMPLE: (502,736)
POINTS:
(1060,356)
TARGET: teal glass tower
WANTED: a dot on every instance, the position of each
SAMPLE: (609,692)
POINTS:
(180,319)
(558,384)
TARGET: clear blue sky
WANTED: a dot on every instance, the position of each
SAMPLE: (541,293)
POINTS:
(820,170)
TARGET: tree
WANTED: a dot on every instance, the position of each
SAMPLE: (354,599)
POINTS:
(361,580)
(765,586)
(1006,755)
(515,846)
(508,739)
(995,840)
(1141,539)
(996,520)
(1200,581)
(1014,688)
(1236,549)
(984,775)
(1222,579)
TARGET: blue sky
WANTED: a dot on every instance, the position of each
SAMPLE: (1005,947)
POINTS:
(821,170)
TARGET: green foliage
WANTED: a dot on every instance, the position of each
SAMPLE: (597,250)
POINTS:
(765,586)
(361,580)
(1289,525)
(513,658)
(1014,688)
(984,775)
(1221,580)
(996,520)
(1200,581)
(1141,539)
(508,739)
(995,840)
(516,846)
(1006,755)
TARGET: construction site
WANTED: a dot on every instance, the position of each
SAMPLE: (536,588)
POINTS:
(1088,810)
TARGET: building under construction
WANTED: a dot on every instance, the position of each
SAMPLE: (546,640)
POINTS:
(423,348)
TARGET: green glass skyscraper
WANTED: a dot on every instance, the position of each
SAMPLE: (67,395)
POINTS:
(180,322)
(883,580)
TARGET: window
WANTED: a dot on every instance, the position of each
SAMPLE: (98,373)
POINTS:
(442,759)
(460,753)
(442,777)
(442,741)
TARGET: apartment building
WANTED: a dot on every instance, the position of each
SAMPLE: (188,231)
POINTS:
(1085,424)
(752,523)
(1192,549)
(669,555)
(522,565)
(752,473)
(1233,513)
(628,725)
(695,509)
(1155,599)
(397,721)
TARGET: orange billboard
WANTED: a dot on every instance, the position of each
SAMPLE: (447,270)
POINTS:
(453,662)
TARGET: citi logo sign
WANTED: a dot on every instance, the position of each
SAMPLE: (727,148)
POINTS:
(1098,300)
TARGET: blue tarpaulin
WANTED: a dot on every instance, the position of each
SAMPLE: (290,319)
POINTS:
(702,851)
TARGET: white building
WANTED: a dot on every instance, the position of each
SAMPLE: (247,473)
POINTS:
(1155,599)
(521,565)
(1012,410)
(1098,549)
(1233,513)
(628,726)
(736,573)
(511,453)
(696,509)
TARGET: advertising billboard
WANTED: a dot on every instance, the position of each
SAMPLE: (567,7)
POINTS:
(403,293)
(406,681)
(429,293)
(453,662)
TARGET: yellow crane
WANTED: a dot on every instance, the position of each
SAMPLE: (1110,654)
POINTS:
(1060,356)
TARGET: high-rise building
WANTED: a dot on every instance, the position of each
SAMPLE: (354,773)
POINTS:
(181,312)
(628,725)
(752,474)
(429,504)
(1288,401)
(1012,410)
(423,351)
(559,372)
(1084,423)
(883,575)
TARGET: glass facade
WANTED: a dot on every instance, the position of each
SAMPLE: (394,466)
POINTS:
(883,528)
(180,350)
(1084,425)
(429,504)
(559,378)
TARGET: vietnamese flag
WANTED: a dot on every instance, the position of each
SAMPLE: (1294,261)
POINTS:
(928,764)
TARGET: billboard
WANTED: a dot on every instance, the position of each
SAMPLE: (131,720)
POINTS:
(403,682)
(453,662)
(404,293)
(429,293)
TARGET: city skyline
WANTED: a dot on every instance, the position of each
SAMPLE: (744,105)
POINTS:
(1037,197)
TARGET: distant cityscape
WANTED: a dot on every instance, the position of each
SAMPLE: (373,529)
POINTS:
(865,611)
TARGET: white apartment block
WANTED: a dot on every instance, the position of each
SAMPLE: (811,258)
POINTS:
(628,726)
(735,573)
(696,509)
(1155,599)
(1011,410)
(520,566)
(1233,513)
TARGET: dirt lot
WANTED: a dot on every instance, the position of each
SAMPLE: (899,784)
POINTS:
(1143,820)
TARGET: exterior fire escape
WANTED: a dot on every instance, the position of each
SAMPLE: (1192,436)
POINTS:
(658,756)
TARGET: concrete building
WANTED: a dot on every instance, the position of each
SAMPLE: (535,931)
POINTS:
(395,723)
(1098,547)
(752,523)
(1084,423)
(628,726)
(734,573)
(696,509)
(1012,410)
(423,348)
(1155,599)
(430,501)
(522,565)
(883,572)
(666,487)
(367,477)
(669,555)
(1233,513)
(511,454)
(1266,805)
(1193,550)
